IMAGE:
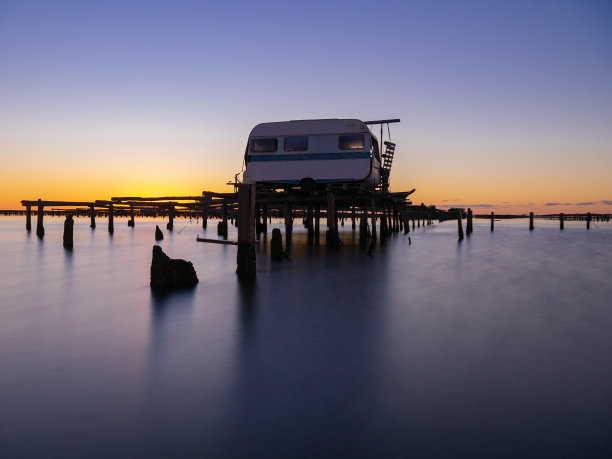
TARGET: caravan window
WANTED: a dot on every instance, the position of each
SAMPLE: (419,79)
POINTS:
(264,145)
(296,144)
(350,142)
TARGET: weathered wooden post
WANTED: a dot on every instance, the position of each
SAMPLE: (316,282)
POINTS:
(353,217)
(363,225)
(459,225)
(373,205)
(384,228)
(92,217)
(492,221)
(317,222)
(131,220)
(246,258)
(276,245)
(204,211)
(170,225)
(530,221)
(222,226)
(561,222)
(111,224)
(406,222)
(310,223)
(264,207)
(588,220)
(29,217)
(332,238)
(288,219)
(40,229)
(468,227)
(68,231)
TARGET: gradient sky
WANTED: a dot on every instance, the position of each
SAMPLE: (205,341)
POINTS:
(505,106)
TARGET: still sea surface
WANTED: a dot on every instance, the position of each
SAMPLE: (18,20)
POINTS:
(500,345)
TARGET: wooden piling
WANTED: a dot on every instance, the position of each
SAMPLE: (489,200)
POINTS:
(246,258)
(288,218)
(561,220)
(68,231)
(264,208)
(530,221)
(131,220)
(111,224)
(588,220)
(170,225)
(29,218)
(92,217)
(310,223)
(492,221)
(353,217)
(332,237)
(468,226)
(317,222)
(373,224)
(40,229)
(459,225)
(204,207)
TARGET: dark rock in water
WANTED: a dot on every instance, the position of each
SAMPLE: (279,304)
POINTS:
(168,273)
(158,234)
(276,245)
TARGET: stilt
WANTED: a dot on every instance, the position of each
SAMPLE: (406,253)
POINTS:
(317,222)
(459,225)
(468,226)
(246,258)
(111,224)
(561,222)
(131,220)
(373,204)
(170,225)
(29,218)
(264,207)
(353,217)
(588,220)
(92,217)
(530,221)
(288,219)
(68,231)
(332,237)
(492,221)
(40,229)
(309,223)
(204,205)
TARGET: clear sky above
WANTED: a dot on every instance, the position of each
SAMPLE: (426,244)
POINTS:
(503,104)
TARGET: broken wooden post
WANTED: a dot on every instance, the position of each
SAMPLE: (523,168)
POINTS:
(131,220)
(588,220)
(92,217)
(222,225)
(561,222)
(492,221)
(29,218)
(530,220)
(111,225)
(68,231)
(276,245)
(40,229)
(459,225)
(246,258)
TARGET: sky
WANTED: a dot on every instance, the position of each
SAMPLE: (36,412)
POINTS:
(505,106)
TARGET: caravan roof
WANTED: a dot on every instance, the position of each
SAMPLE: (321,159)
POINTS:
(310,127)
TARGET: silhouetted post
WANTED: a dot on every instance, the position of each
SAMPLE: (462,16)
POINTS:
(111,224)
(131,220)
(170,225)
(276,245)
(288,219)
(246,258)
(68,231)
(384,228)
(310,223)
(530,220)
(406,222)
(40,229)
(561,222)
(363,225)
(29,218)
(92,217)
(373,204)
(264,207)
(588,220)
(204,211)
(353,217)
(222,227)
(332,237)
(317,222)
(459,225)
(492,221)
(468,225)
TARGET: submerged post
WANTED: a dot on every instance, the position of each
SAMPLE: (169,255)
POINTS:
(332,237)
(288,218)
(170,224)
(40,229)
(317,222)
(204,213)
(373,204)
(111,225)
(468,226)
(29,218)
(131,220)
(492,221)
(561,220)
(246,258)
(68,231)
(353,217)
(459,224)
(530,221)
(92,217)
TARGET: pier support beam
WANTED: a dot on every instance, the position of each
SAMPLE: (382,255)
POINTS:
(222,226)
(246,258)
(588,220)
(170,225)
(131,220)
(332,238)
(204,205)
(288,219)
(530,221)
(561,220)
(373,204)
(492,221)
(111,224)
(459,225)
(468,226)
(40,229)
(92,217)
(68,231)
(264,209)
(29,218)
(310,223)
(317,222)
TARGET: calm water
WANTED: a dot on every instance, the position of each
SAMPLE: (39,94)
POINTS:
(498,346)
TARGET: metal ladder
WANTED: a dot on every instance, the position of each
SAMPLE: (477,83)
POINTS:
(387,162)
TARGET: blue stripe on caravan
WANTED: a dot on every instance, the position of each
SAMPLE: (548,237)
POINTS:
(309,156)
